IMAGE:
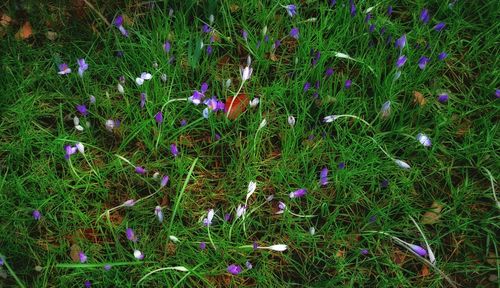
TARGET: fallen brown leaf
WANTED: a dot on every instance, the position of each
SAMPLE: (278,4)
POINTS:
(419,98)
(433,215)
(233,7)
(25,32)
(424,272)
(51,35)
(5,20)
(73,252)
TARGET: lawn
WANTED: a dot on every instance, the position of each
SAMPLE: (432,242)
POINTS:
(249,143)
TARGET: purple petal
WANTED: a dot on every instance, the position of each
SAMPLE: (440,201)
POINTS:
(167,46)
(159,117)
(442,56)
(443,98)
(294,33)
(401,61)
(389,10)
(419,250)
(307,85)
(329,72)
(348,84)
(164,181)
(203,245)
(440,26)
(204,87)
(298,193)
(323,176)
(118,21)
(140,170)
(234,269)
(422,62)
(130,235)
(424,16)
(174,150)
(37,215)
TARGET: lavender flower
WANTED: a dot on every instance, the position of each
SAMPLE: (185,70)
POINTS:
(159,213)
(442,56)
(208,221)
(323,177)
(203,245)
(401,61)
(255,245)
(174,150)
(119,24)
(440,26)
(291,9)
(205,28)
(294,33)
(418,250)
(497,93)
(131,235)
(37,215)
(307,86)
(422,62)
(443,98)
(82,66)
(82,257)
(298,193)
(276,44)
(209,49)
(143,100)
(69,151)
(183,122)
(159,117)
(138,255)
(348,84)
(424,16)
(82,109)
(64,69)
(248,265)
(401,42)
(234,269)
(424,140)
(167,46)
(140,170)
(386,109)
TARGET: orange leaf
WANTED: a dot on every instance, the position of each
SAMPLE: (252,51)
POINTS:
(425,271)
(236,105)
(25,32)
(419,98)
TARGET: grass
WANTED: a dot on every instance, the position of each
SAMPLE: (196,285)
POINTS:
(458,171)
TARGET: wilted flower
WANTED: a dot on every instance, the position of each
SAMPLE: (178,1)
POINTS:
(294,32)
(234,269)
(140,170)
(443,98)
(442,56)
(144,76)
(64,69)
(277,247)
(82,66)
(174,150)
(159,117)
(402,164)
(208,221)
(291,120)
(291,9)
(323,177)
(281,207)
(159,213)
(424,16)
(119,24)
(262,124)
(440,26)
(424,140)
(422,62)
(110,124)
(203,245)
(298,193)
(82,257)
(401,42)
(240,210)
(401,61)
(386,109)
(37,215)
(131,235)
(348,84)
(138,255)
(312,231)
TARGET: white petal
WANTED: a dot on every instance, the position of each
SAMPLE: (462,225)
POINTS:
(210,215)
(180,268)
(228,83)
(278,247)
(120,88)
(146,76)
(138,254)
(73,150)
(402,164)
(263,123)
(110,124)
(342,55)
(329,118)
(291,120)
(254,102)
(369,9)
(79,127)
(249,61)
(80,147)
(251,189)
(139,81)
(76,120)
(173,238)
(312,230)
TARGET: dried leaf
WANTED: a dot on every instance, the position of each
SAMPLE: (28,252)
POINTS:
(25,32)
(273,57)
(419,98)
(433,215)
(234,7)
(73,252)
(424,272)
(51,35)
(340,253)
(399,257)
(5,20)
(238,105)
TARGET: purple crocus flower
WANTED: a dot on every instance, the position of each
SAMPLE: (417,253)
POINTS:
(244,34)
(418,250)
(70,150)
(129,203)
(386,109)
(107,267)
(333,2)
(422,62)
(82,257)
(209,49)
(217,136)
(119,24)
(204,87)
(281,207)
(440,26)
(323,176)
(183,122)
(167,46)
(443,98)
(64,69)
(348,84)
(131,235)
(159,117)
(82,109)
(341,165)
(316,58)
(143,100)
(442,56)
(87,284)
(276,44)
(203,246)
(37,215)
(266,38)
(401,42)
(159,213)
(140,170)
(307,86)
(424,16)
(364,252)
(298,193)
(294,32)
(291,9)
(424,140)
(389,10)
(234,269)
(82,66)
(371,28)
(353,9)
(255,245)
(248,265)
(174,150)
(205,28)
(329,72)
(227,217)
(401,61)
(164,181)
(368,17)
(497,93)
